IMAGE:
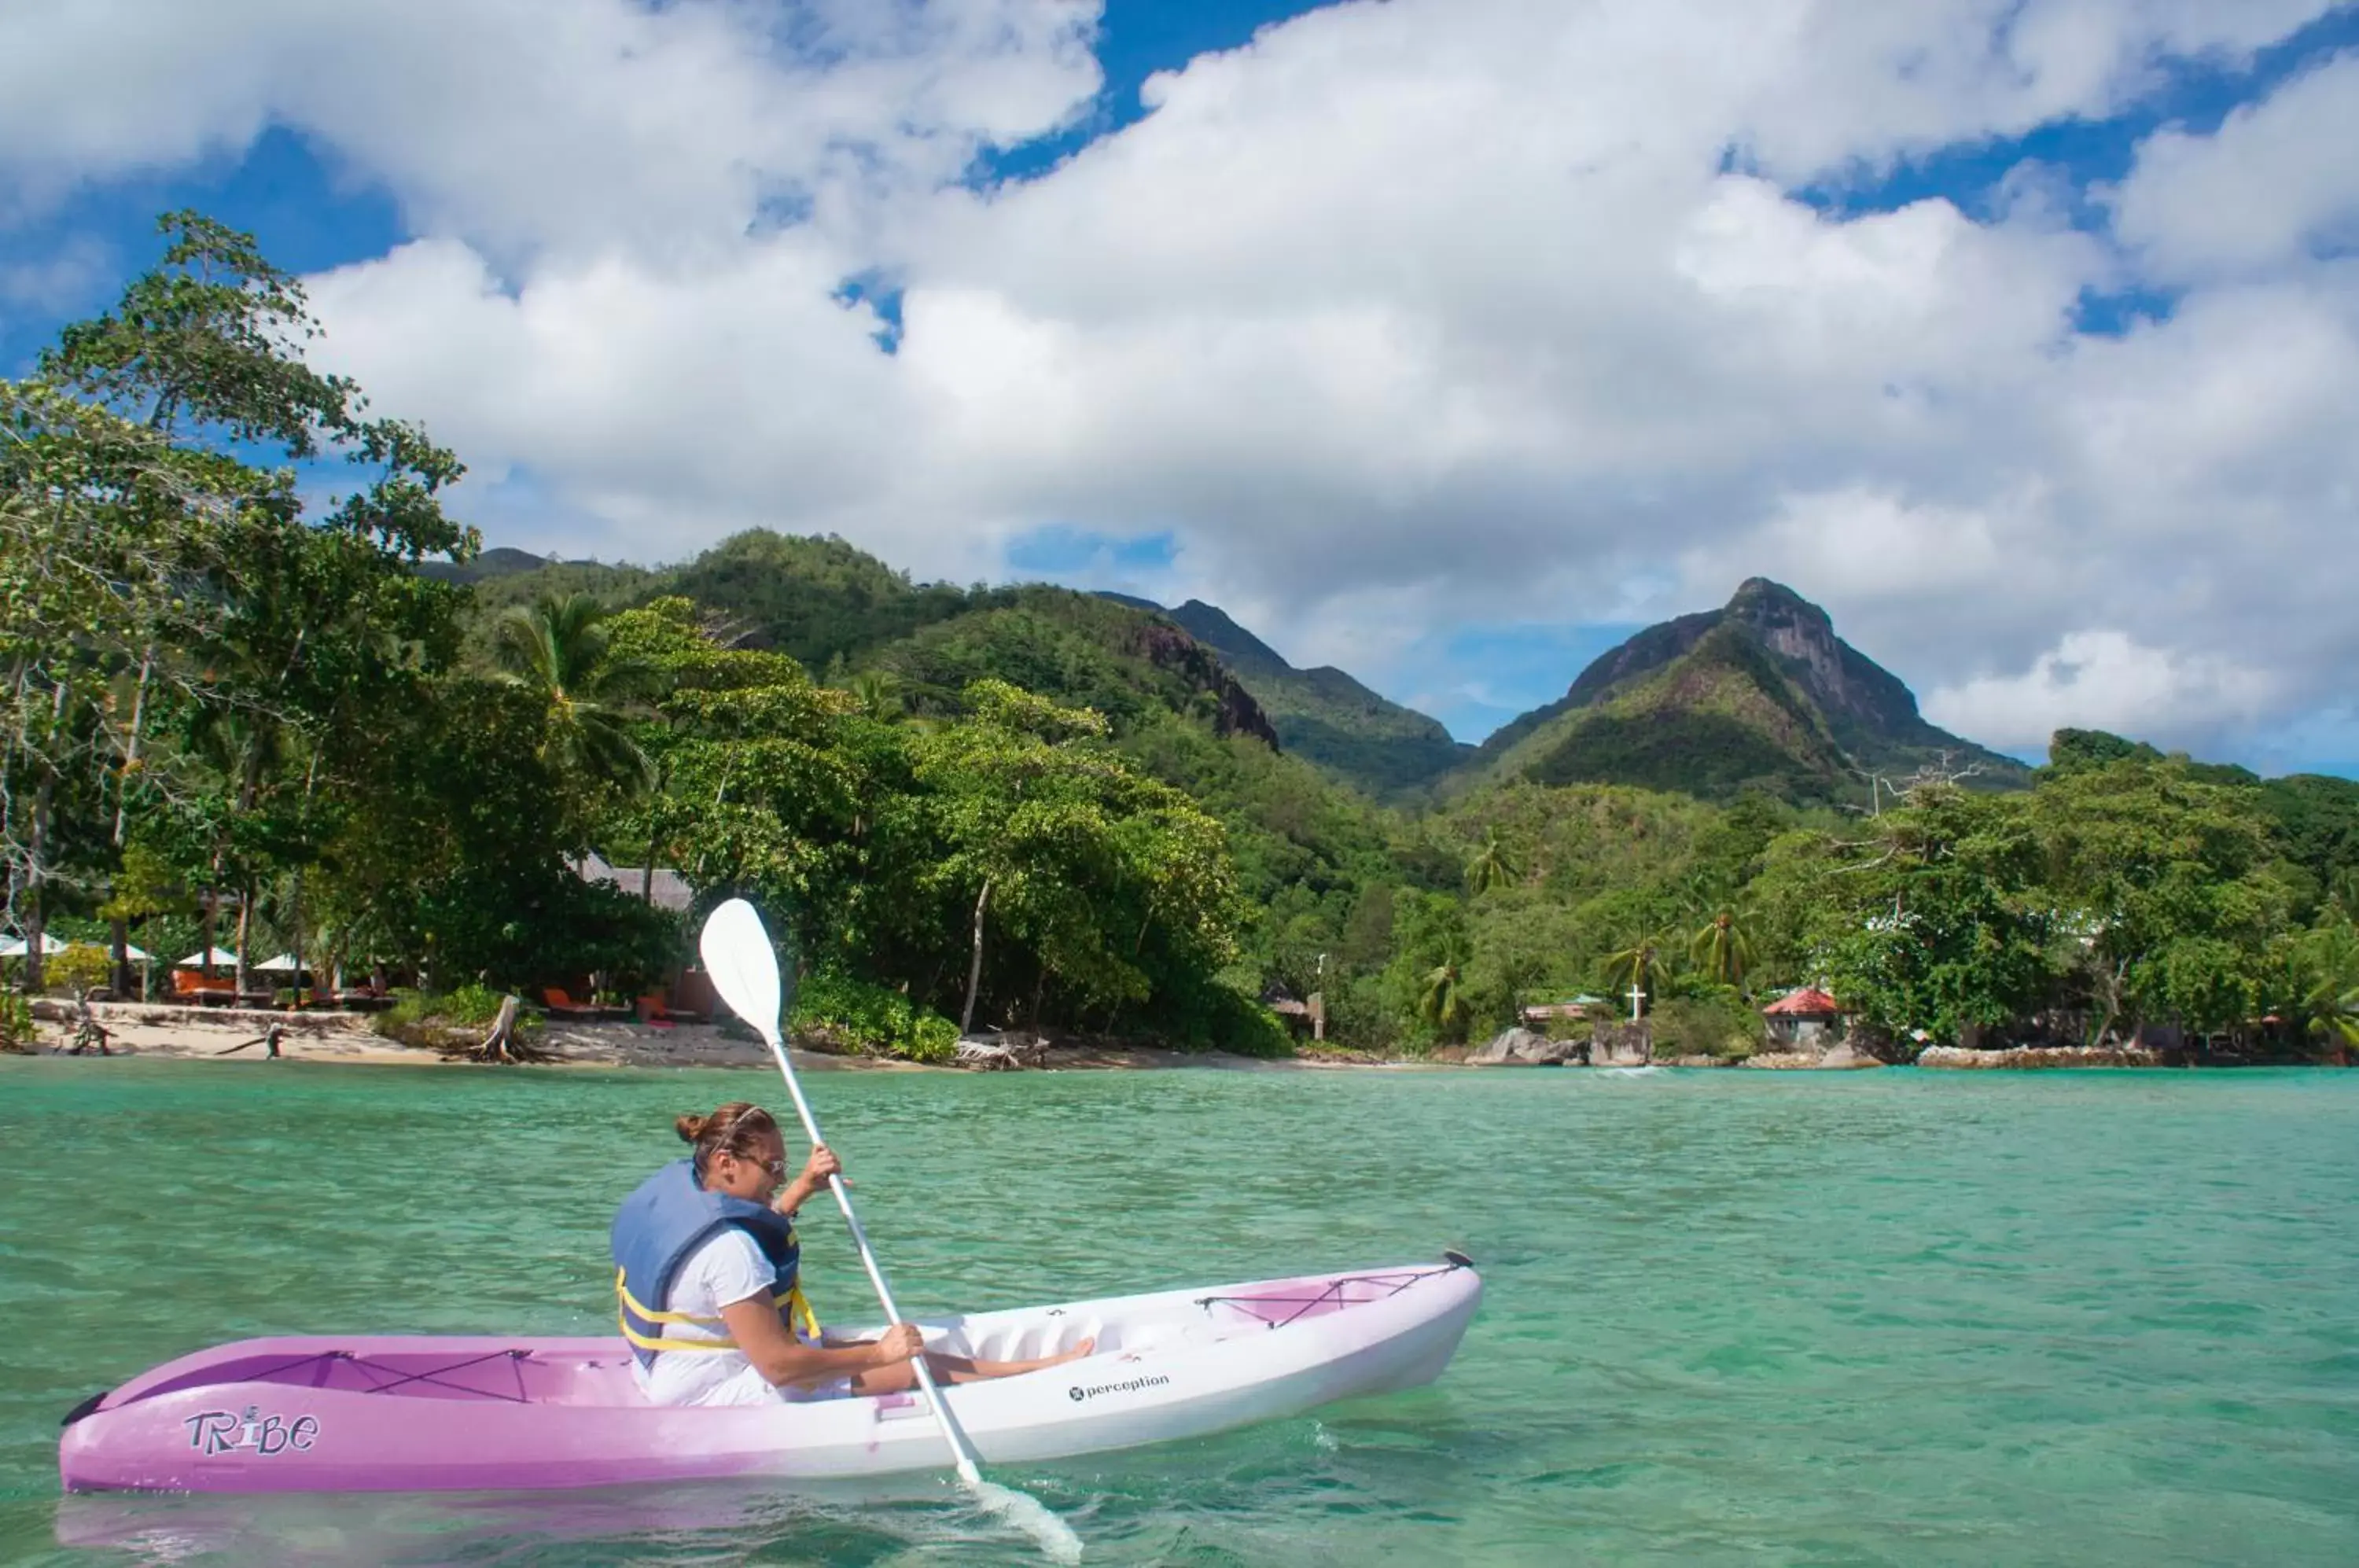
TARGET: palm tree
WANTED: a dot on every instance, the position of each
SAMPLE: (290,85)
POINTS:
(1721,949)
(2334,1008)
(878,692)
(557,647)
(1442,1003)
(2343,892)
(1493,866)
(2329,971)
(1640,966)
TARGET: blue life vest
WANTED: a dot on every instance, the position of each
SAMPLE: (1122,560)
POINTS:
(660,1225)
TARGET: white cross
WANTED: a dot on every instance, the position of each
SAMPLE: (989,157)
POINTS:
(1636,997)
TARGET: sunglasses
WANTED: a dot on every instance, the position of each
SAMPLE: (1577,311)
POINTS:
(776,1167)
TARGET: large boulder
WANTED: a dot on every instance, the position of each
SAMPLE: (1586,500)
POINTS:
(1522,1048)
(1621,1045)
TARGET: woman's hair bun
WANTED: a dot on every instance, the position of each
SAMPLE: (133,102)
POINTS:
(691,1127)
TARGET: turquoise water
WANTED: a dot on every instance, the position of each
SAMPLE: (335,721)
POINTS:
(1889,1317)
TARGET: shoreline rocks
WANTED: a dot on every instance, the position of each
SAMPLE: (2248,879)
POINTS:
(1525,1048)
(2038,1056)
(1834,1059)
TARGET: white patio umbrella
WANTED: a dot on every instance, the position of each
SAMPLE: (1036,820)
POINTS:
(15,946)
(197,960)
(283,964)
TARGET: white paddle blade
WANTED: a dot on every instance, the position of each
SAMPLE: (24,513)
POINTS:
(743,963)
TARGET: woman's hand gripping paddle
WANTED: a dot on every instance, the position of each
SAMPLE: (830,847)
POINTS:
(744,970)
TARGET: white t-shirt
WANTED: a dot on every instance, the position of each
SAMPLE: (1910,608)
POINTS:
(728,1268)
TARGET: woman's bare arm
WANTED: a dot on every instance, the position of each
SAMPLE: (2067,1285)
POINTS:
(782,1358)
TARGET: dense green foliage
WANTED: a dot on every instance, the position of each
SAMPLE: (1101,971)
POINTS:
(860,1016)
(1009,807)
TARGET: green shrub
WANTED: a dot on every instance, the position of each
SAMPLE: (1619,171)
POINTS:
(419,1018)
(79,968)
(854,1014)
(409,1007)
(1714,1022)
(471,1004)
(17,1028)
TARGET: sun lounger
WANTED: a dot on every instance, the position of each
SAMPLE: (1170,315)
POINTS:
(204,990)
(562,1005)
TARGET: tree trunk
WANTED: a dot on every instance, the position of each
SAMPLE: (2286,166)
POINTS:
(211,925)
(121,930)
(245,924)
(974,962)
(36,914)
(295,918)
(501,1044)
(131,747)
(498,1045)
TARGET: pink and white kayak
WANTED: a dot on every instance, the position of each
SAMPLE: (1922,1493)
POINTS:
(432,1412)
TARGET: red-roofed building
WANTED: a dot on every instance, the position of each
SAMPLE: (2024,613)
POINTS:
(1801,1017)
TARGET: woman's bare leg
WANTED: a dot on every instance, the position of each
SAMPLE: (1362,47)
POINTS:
(954,1369)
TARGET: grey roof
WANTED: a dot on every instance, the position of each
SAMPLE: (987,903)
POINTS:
(669,890)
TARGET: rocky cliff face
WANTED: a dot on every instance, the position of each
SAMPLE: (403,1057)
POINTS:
(1844,681)
(1322,715)
(1167,648)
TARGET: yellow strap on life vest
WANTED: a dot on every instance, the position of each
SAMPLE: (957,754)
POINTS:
(792,1298)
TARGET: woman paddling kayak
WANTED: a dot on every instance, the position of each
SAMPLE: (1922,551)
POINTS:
(708,1275)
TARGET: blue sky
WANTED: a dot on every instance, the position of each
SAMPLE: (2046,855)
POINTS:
(2019,339)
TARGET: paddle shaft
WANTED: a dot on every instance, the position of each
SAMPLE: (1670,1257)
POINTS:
(962,1452)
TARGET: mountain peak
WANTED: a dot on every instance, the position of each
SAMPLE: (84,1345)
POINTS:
(1769,663)
(1761,597)
(1212,626)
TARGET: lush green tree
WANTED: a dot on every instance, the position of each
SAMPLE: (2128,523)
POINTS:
(1492,867)
(559,649)
(1441,1001)
(1933,921)
(878,692)
(2162,882)
(2076,751)
(150,570)
(1721,949)
(2325,984)
(1643,962)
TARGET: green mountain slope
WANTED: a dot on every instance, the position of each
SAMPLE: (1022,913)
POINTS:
(1130,664)
(1324,714)
(498,561)
(1758,694)
(839,610)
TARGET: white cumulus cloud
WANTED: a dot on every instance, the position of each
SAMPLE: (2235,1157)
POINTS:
(2276,179)
(1402,317)
(2102,680)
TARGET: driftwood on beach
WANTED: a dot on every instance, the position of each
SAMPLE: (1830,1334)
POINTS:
(504,1044)
(1001,1055)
